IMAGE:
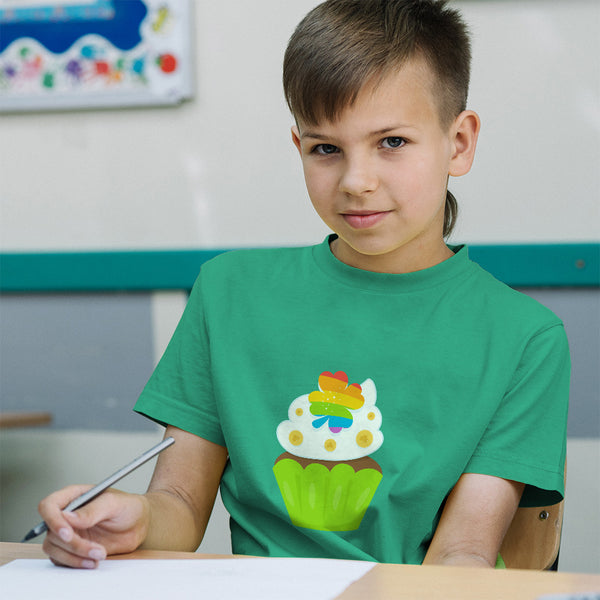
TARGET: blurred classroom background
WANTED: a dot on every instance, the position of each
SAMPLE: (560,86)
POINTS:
(218,171)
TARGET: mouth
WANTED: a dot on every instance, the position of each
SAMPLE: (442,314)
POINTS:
(364,219)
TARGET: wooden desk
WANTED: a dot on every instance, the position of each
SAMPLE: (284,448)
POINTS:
(405,582)
(24,419)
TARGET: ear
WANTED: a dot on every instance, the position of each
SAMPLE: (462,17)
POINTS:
(464,133)
(296,138)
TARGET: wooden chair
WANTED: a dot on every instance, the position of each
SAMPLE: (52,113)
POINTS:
(533,538)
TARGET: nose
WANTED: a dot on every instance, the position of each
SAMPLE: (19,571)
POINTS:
(358,177)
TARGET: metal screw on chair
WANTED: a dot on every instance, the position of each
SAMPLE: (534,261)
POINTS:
(543,515)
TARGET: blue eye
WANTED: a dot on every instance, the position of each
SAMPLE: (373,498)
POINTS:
(325,149)
(393,142)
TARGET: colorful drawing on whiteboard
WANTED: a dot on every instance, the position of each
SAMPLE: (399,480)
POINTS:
(94,53)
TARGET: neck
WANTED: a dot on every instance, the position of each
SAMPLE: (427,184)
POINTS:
(402,260)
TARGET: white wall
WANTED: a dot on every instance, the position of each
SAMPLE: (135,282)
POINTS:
(220,171)
(217,171)
(536,86)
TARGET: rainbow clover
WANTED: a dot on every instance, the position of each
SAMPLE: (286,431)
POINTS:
(333,403)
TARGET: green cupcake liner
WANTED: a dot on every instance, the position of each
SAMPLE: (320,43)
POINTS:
(325,499)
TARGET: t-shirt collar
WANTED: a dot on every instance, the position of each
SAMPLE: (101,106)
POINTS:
(451,268)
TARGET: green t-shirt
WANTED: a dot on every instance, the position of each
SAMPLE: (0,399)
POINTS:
(351,402)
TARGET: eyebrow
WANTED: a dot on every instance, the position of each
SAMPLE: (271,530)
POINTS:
(318,136)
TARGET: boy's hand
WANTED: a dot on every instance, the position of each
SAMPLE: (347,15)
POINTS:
(113,523)
(172,515)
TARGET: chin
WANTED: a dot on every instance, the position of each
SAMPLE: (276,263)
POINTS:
(374,248)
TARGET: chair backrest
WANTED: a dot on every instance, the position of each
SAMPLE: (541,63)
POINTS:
(533,538)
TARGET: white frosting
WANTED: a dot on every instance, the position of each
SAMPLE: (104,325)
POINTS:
(360,439)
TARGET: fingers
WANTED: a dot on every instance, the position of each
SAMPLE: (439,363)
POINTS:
(113,523)
(51,508)
(71,550)
(65,541)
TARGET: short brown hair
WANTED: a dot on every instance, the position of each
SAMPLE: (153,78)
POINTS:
(341,45)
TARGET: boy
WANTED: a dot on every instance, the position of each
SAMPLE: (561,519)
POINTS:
(380,341)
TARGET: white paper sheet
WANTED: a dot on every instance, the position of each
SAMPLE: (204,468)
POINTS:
(222,579)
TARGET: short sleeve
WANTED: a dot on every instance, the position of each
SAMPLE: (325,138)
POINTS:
(526,438)
(180,391)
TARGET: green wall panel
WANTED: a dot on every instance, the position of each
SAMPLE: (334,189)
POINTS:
(532,265)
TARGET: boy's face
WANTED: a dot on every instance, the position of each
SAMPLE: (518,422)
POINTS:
(377,175)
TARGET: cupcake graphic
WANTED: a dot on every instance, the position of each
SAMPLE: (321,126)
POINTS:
(325,475)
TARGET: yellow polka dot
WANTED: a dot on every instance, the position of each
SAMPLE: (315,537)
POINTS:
(364,438)
(330,445)
(299,412)
(296,437)
(371,416)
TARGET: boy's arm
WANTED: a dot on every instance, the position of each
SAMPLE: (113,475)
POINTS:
(475,519)
(182,492)
(172,515)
